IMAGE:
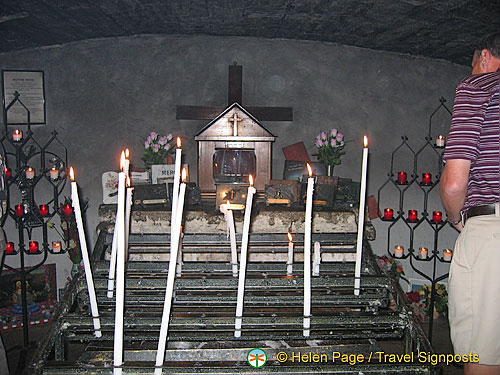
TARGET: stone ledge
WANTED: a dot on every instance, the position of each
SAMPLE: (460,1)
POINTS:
(263,221)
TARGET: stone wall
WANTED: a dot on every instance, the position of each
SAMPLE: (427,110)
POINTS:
(106,94)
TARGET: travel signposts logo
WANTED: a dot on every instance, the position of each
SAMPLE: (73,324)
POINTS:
(256,358)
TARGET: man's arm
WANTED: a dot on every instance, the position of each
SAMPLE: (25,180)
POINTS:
(453,188)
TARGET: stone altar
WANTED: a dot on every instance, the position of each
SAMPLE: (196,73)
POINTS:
(264,220)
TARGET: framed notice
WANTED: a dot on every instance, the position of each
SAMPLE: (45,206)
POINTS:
(30,86)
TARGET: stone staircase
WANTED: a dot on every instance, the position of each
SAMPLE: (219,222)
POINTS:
(346,330)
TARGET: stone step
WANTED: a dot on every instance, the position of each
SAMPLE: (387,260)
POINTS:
(258,284)
(379,322)
(213,269)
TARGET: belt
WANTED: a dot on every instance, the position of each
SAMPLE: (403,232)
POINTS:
(487,209)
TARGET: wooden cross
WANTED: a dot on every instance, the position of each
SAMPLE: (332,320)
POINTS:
(189,112)
(235,119)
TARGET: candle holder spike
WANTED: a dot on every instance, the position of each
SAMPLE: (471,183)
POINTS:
(425,220)
(23,186)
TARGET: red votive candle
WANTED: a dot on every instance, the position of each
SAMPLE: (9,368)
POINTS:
(19,210)
(33,247)
(9,249)
(44,210)
(8,173)
(437,216)
(388,214)
(401,177)
(412,215)
(426,179)
(67,209)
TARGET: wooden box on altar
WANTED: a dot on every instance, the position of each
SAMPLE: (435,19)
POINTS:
(230,148)
(325,189)
(282,192)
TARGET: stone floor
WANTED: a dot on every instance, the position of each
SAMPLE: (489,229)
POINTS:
(14,338)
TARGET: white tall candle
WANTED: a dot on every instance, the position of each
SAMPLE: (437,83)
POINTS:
(126,165)
(112,261)
(162,342)
(85,255)
(179,255)
(289,263)
(243,259)
(128,208)
(177,179)
(316,258)
(361,219)
(307,254)
(120,272)
(228,214)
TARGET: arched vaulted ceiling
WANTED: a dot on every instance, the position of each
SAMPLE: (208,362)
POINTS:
(444,29)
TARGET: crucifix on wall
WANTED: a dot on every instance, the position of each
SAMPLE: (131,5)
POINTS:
(235,86)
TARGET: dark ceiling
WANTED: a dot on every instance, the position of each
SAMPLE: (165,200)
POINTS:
(440,29)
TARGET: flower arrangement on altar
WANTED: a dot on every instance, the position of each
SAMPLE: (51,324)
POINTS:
(330,147)
(420,301)
(156,148)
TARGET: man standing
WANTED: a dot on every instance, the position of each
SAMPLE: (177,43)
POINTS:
(470,191)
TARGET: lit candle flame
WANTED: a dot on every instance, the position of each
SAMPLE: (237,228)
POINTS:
(128,181)
(71,174)
(290,238)
(183,175)
(179,143)
(122,161)
(365,140)
(127,153)
(309,169)
(250,178)
(17,131)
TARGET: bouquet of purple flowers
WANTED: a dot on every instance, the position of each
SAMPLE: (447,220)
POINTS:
(330,147)
(156,148)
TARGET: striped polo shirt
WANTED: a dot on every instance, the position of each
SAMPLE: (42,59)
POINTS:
(475,136)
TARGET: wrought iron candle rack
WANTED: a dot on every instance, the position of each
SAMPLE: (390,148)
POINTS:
(27,166)
(435,220)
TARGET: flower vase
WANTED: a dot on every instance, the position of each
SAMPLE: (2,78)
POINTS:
(169,159)
(329,170)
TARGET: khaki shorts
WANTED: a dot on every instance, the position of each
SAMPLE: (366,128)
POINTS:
(474,290)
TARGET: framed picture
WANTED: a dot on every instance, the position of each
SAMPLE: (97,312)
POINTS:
(295,169)
(31,88)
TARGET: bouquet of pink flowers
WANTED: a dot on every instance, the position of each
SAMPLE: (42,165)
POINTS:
(330,147)
(156,148)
